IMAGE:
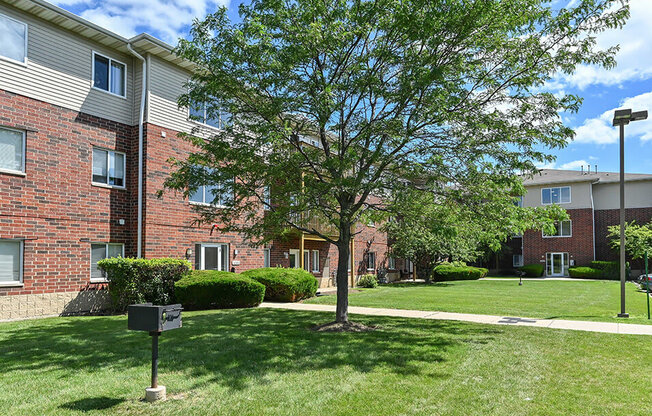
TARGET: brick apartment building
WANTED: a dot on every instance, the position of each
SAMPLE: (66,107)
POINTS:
(592,201)
(77,104)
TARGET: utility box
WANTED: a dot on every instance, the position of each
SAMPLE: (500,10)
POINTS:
(154,318)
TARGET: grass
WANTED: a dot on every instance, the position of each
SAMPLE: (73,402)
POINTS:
(266,362)
(550,299)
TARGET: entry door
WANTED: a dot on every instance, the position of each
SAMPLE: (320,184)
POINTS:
(294,259)
(211,257)
(555,264)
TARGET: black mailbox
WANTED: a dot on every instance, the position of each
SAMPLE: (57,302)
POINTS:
(154,318)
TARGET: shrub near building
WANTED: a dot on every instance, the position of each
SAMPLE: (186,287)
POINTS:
(206,289)
(447,272)
(284,285)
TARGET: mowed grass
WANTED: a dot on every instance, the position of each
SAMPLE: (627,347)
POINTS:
(550,299)
(267,362)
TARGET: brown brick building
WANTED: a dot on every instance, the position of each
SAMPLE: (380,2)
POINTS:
(74,99)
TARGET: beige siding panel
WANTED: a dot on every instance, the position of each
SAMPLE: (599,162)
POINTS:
(59,71)
(580,195)
(166,85)
(637,195)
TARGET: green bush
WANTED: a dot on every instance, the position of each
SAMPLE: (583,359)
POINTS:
(585,273)
(610,269)
(368,280)
(532,270)
(142,280)
(284,285)
(205,289)
(446,272)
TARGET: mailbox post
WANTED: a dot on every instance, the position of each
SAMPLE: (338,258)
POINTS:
(154,319)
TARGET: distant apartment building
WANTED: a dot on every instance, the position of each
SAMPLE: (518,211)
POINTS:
(592,201)
(77,105)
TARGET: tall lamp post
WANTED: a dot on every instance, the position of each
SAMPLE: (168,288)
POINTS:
(622,118)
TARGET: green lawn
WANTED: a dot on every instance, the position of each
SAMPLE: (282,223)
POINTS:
(266,362)
(552,299)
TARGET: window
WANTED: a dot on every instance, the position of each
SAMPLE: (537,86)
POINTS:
(267,197)
(212,257)
(306,260)
(560,195)
(13,39)
(391,263)
(564,229)
(101,251)
(315,261)
(201,114)
(12,150)
(109,167)
(11,262)
(267,257)
(219,195)
(519,202)
(109,75)
(371,261)
(517,260)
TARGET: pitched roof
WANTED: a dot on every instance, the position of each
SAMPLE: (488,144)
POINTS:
(553,176)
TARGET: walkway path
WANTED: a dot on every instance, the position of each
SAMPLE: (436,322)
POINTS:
(609,327)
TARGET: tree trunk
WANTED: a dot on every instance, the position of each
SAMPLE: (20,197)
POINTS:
(342,279)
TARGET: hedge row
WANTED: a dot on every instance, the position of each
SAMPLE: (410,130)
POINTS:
(284,285)
(532,270)
(446,272)
(205,289)
(585,273)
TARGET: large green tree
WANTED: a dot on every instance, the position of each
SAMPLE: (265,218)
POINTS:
(638,239)
(397,94)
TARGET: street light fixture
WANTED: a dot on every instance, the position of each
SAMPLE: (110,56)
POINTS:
(622,118)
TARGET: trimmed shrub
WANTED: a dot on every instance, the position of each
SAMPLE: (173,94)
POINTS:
(446,272)
(610,269)
(142,280)
(368,280)
(532,270)
(585,273)
(284,285)
(205,289)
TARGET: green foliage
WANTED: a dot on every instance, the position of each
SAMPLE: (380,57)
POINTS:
(205,289)
(368,281)
(445,272)
(638,239)
(610,269)
(283,284)
(142,280)
(532,270)
(585,273)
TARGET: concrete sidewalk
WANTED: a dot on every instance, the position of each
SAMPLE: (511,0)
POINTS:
(607,327)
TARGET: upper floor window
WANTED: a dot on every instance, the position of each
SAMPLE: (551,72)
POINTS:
(519,202)
(12,150)
(561,195)
(11,262)
(563,229)
(109,75)
(267,198)
(101,251)
(109,167)
(219,195)
(200,113)
(13,39)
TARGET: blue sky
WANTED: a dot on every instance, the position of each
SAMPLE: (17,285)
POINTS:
(596,142)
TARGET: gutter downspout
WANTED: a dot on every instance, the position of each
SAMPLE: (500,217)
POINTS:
(141,121)
(593,217)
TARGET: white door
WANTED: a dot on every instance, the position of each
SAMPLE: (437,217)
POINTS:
(555,264)
(211,257)
(294,259)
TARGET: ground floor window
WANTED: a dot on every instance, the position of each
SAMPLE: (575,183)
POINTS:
(517,260)
(391,263)
(294,258)
(315,261)
(557,264)
(100,251)
(306,260)
(371,260)
(214,256)
(267,257)
(11,262)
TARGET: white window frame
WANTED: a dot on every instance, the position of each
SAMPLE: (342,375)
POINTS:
(106,256)
(203,123)
(24,62)
(267,198)
(515,262)
(22,171)
(220,250)
(18,283)
(108,167)
(369,255)
(391,263)
(267,257)
(124,77)
(543,234)
(306,256)
(315,261)
(570,195)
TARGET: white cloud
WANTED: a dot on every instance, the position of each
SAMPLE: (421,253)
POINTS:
(599,130)
(574,165)
(634,57)
(166,19)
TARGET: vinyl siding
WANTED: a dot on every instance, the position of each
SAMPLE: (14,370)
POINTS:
(637,195)
(166,85)
(59,71)
(580,195)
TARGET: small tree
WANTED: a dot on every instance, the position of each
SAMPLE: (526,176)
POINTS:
(638,239)
(396,94)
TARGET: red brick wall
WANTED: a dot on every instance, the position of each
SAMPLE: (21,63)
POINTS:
(54,207)
(579,246)
(607,217)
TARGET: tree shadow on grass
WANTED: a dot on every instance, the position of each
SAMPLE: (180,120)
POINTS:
(92,403)
(236,348)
